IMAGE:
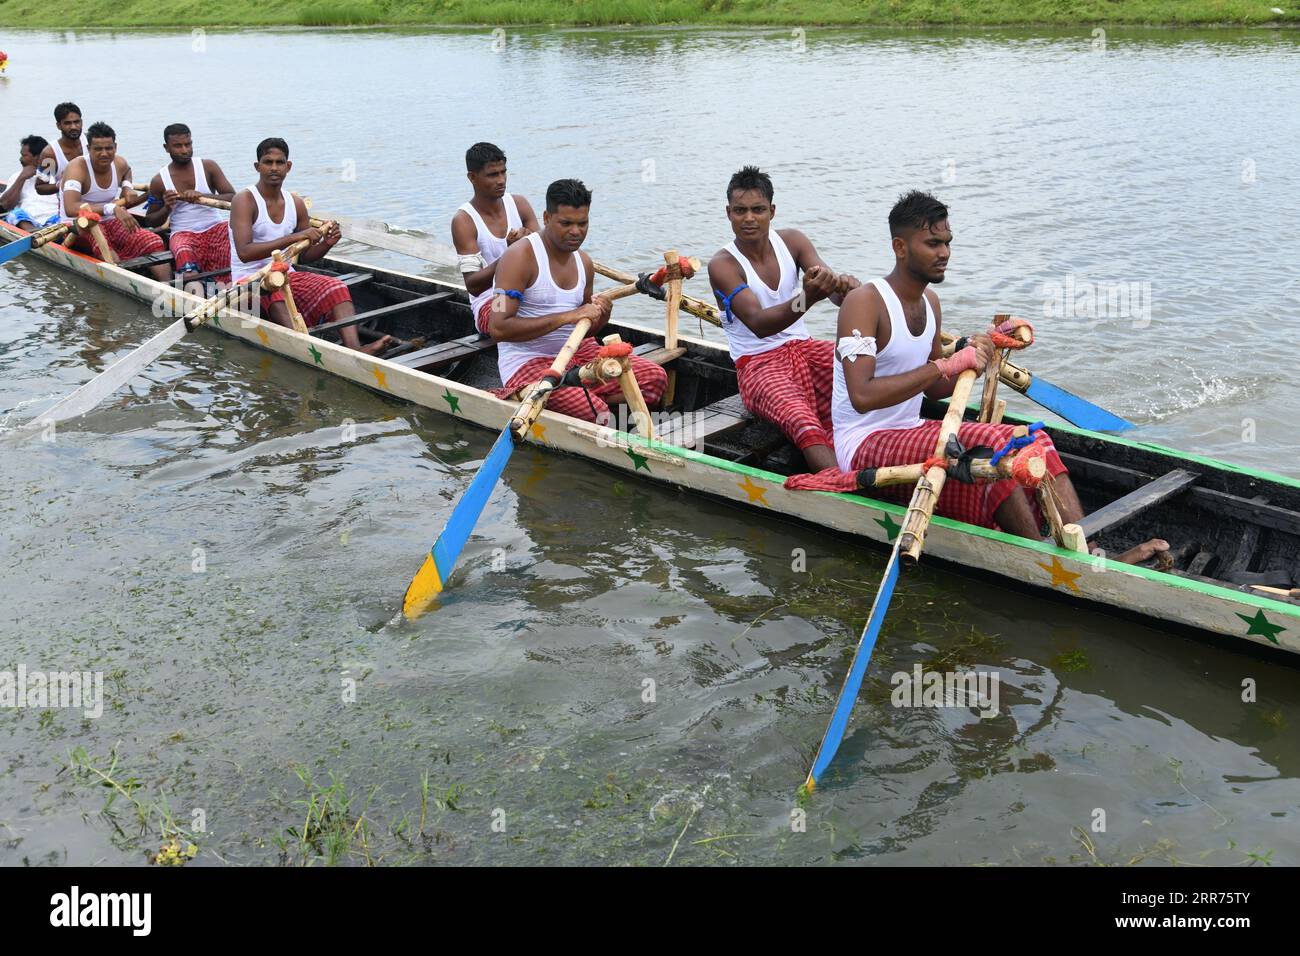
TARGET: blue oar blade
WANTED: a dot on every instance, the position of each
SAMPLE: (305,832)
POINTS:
(1073,409)
(15,249)
(857,670)
(438,564)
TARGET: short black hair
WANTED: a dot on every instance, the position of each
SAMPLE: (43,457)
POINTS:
(567,192)
(480,154)
(750,177)
(63,109)
(100,131)
(915,210)
(175,129)
(272,142)
(35,144)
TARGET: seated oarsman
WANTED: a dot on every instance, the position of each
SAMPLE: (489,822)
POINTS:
(97,183)
(199,239)
(54,158)
(783,373)
(21,204)
(487,225)
(263,220)
(890,355)
(543,286)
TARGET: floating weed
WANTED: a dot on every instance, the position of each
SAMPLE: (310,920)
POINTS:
(153,817)
(332,830)
(1071,660)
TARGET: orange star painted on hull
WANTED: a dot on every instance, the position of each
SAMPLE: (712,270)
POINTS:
(380,376)
(538,431)
(755,492)
(1060,576)
(261,334)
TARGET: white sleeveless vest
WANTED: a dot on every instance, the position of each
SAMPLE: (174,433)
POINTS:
(61,161)
(491,247)
(543,297)
(264,230)
(740,339)
(94,193)
(188,216)
(904,352)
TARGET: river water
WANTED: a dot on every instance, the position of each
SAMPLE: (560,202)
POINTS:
(646,676)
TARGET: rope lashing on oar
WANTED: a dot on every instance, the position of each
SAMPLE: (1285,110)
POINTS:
(725,300)
(661,276)
(1017,442)
(88,214)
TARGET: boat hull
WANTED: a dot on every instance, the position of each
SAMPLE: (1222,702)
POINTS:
(1109,585)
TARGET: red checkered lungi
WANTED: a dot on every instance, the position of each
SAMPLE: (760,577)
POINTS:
(125,245)
(481,320)
(791,386)
(973,503)
(209,249)
(315,296)
(571,401)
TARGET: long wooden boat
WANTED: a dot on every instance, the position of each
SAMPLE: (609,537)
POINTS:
(1233,530)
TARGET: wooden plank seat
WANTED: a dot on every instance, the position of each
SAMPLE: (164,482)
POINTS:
(709,422)
(654,352)
(163,258)
(1122,509)
(445,353)
(382,313)
(1207,499)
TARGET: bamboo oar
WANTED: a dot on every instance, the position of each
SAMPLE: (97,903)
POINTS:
(909,541)
(431,579)
(1071,407)
(33,240)
(980,468)
(697,307)
(126,368)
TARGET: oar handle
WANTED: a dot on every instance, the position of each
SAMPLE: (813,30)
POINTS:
(696,307)
(1011,374)
(205,310)
(222,204)
(536,397)
(921,508)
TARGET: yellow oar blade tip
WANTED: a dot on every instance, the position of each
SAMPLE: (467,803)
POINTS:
(423,591)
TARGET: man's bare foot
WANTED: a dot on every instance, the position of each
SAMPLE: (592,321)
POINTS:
(377,346)
(1145,551)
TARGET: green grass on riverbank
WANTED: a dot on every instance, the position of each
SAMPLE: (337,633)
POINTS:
(192,13)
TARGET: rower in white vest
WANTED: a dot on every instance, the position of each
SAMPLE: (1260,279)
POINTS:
(265,219)
(199,239)
(487,225)
(71,144)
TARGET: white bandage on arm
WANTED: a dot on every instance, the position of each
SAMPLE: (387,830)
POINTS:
(71,184)
(472,263)
(851,346)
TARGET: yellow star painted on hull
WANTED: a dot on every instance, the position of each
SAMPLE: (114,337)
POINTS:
(380,376)
(538,431)
(261,334)
(1060,576)
(755,492)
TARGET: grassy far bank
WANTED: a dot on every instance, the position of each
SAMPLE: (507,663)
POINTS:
(192,13)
